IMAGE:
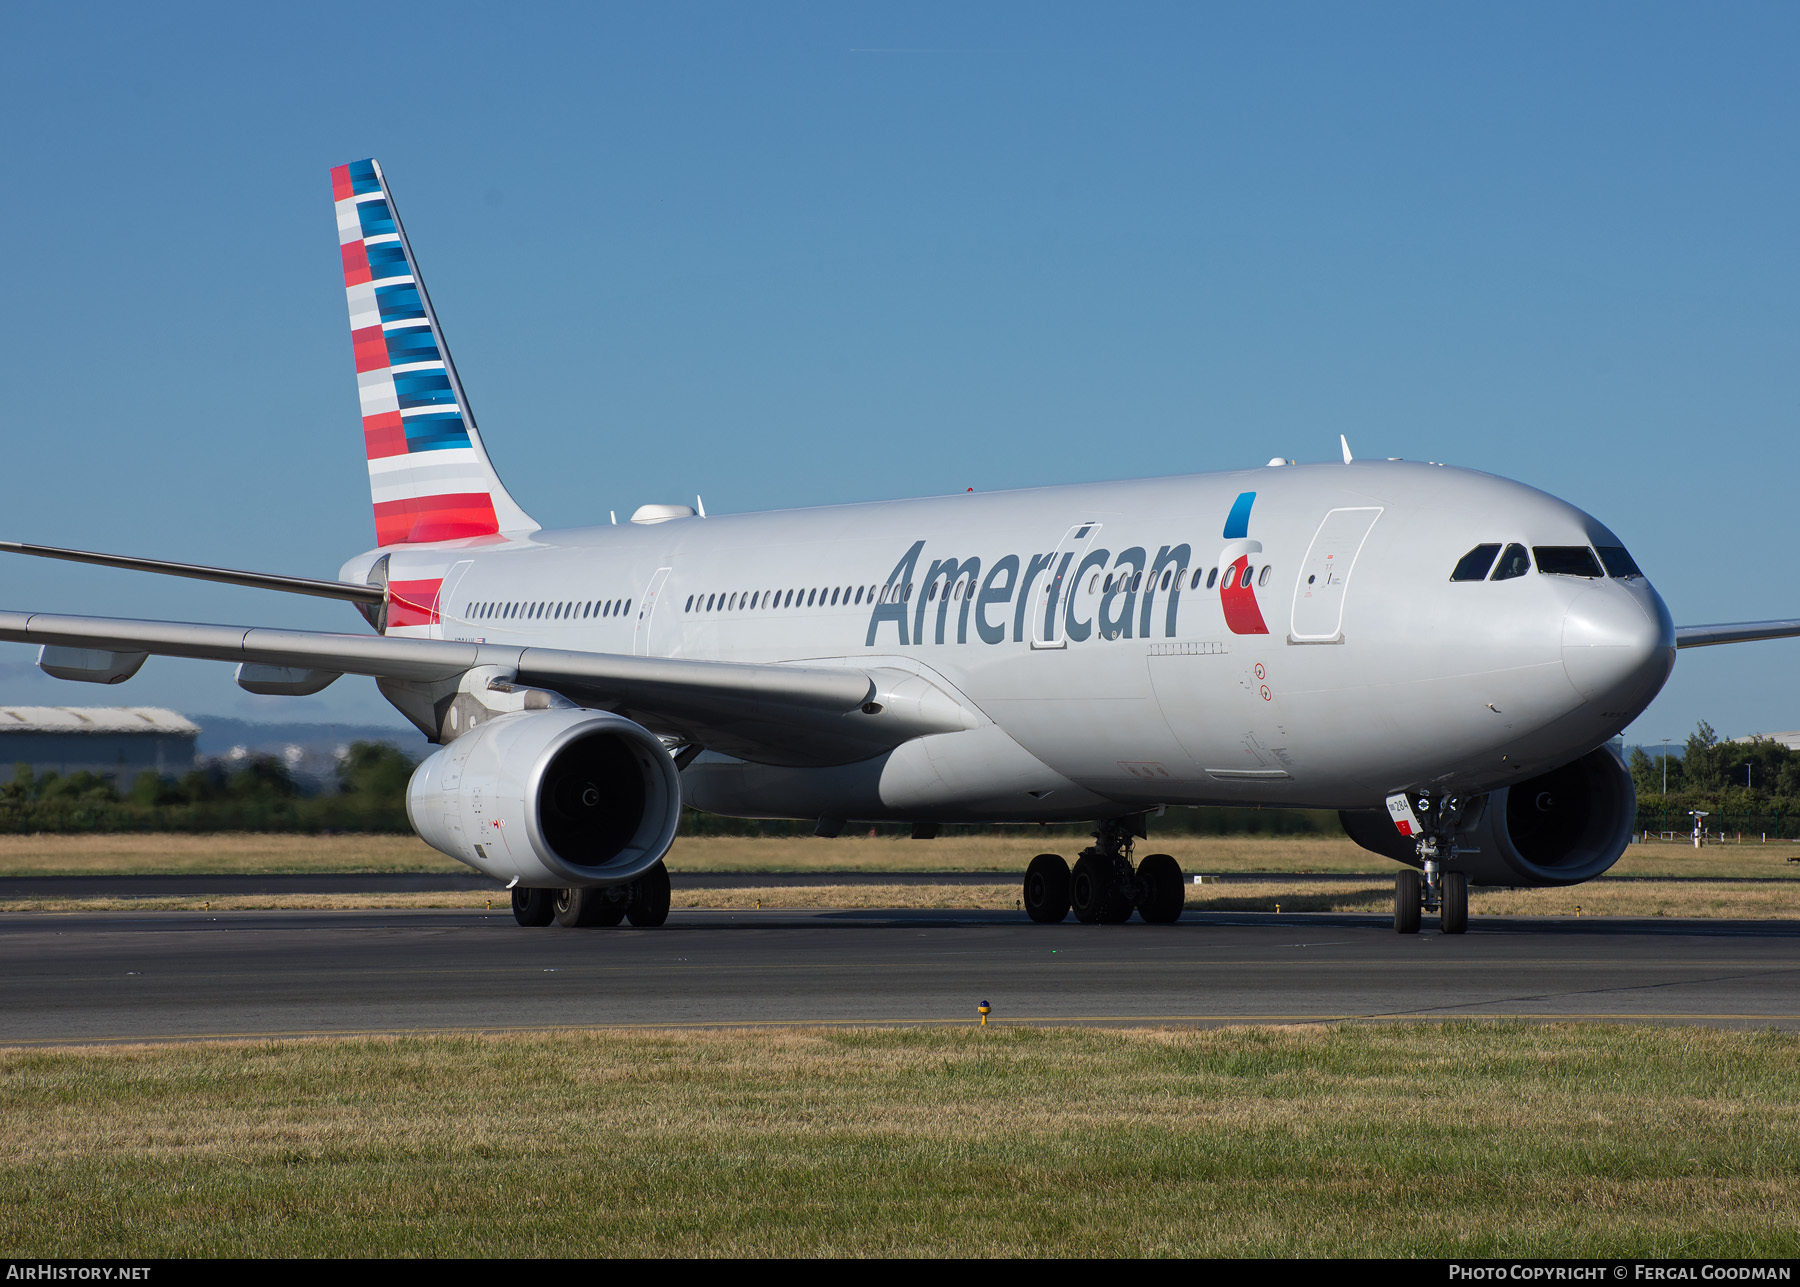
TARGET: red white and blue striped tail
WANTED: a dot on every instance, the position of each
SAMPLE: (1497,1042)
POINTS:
(428,472)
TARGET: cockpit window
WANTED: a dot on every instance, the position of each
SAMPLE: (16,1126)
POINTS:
(1515,562)
(1618,563)
(1567,560)
(1474,565)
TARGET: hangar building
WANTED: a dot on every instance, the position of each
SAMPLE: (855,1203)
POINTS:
(117,742)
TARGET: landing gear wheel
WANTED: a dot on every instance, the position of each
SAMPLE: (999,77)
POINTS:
(583,908)
(1094,892)
(1047,889)
(1407,897)
(1088,888)
(533,907)
(1453,896)
(1164,895)
(648,905)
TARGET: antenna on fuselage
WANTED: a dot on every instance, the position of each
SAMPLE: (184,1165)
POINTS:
(615,516)
(700,505)
(1345,444)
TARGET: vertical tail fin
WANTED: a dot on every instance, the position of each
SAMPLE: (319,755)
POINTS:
(428,472)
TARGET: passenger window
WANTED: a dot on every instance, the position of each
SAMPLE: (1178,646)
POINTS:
(1474,565)
(1567,560)
(1211,577)
(1514,562)
(1165,583)
(1618,563)
(812,597)
(1264,578)
(834,596)
(1137,579)
(1244,582)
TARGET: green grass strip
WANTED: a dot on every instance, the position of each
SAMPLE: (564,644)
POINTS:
(1474,1139)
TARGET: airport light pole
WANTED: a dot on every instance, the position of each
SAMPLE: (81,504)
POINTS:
(1665,743)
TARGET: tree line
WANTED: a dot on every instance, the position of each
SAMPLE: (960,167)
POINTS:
(259,793)
(1751,786)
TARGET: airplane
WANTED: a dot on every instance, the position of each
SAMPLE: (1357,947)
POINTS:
(1442,656)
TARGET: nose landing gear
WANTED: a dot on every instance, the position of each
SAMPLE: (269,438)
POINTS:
(1104,888)
(1432,889)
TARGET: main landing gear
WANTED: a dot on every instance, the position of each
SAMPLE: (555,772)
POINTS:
(1431,888)
(644,902)
(1104,888)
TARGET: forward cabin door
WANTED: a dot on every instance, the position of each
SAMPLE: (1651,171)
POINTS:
(1325,575)
(1050,592)
(646,611)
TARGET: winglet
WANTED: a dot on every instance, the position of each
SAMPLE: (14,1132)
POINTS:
(1345,444)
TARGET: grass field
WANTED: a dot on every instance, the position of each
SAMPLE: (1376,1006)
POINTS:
(136,854)
(1381,1140)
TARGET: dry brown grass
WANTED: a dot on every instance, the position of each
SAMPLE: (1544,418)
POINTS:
(167,853)
(1010,852)
(172,853)
(1470,1139)
(1731,900)
(988,897)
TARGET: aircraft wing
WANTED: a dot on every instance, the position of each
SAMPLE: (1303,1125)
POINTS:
(771,713)
(1734,632)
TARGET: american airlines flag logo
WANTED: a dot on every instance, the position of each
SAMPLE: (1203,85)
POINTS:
(1236,593)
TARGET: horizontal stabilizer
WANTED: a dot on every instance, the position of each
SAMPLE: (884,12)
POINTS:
(372,594)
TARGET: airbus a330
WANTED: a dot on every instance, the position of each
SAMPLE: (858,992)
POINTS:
(1441,655)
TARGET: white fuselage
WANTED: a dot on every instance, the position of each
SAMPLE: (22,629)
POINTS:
(1087,633)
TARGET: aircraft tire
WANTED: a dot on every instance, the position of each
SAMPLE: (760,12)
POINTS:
(1087,888)
(1165,894)
(533,907)
(1047,889)
(1406,902)
(585,908)
(648,905)
(1453,914)
(1094,892)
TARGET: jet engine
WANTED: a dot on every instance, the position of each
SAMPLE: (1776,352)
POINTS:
(557,799)
(1559,828)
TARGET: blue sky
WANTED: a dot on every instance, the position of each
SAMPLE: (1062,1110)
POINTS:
(785,254)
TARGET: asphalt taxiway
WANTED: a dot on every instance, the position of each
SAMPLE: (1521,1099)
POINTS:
(121,976)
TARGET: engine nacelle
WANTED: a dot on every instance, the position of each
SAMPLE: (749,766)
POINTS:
(1559,828)
(558,799)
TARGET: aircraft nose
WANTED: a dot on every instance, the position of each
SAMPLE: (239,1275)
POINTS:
(1618,645)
